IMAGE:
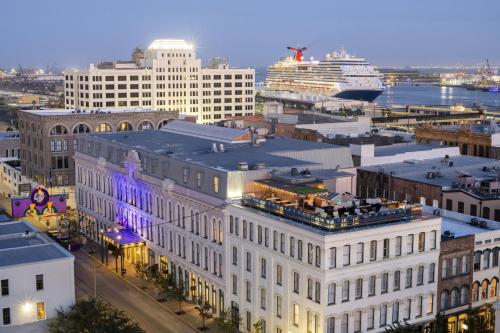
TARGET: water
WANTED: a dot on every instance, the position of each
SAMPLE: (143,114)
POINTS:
(433,95)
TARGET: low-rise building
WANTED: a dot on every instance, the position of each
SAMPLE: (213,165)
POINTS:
(370,154)
(465,184)
(468,268)
(482,140)
(36,278)
(14,183)
(9,146)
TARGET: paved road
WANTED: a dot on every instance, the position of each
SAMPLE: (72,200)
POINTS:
(151,316)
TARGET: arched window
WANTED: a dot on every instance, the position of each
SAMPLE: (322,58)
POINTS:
(146,125)
(486,258)
(124,126)
(475,292)
(103,127)
(454,298)
(57,130)
(444,300)
(81,128)
(162,123)
(484,289)
(493,287)
(464,295)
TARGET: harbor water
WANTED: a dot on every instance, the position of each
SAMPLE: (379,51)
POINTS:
(406,94)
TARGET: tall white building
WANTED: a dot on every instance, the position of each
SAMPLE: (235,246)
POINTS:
(250,224)
(36,278)
(167,76)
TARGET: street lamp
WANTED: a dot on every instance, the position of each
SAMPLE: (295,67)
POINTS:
(101,232)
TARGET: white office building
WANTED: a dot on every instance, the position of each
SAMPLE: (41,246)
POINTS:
(36,278)
(167,76)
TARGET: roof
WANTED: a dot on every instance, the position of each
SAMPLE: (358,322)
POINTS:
(21,243)
(210,132)
(170,44)
(70,112)
(294,188)
(401,148)
(31,254)
(418,170)
(274,153)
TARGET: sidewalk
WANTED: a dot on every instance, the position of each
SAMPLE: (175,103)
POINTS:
(190,316)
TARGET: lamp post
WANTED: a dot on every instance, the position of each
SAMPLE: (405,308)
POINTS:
(101,232)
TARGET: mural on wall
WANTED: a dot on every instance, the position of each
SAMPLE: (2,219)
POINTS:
(39,202)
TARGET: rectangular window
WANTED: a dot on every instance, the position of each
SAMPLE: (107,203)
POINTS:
(6,316)
(299,250)
(421,242)
(296,315)
(279,275)
(263,268)
(370,320)
(333,257)
(395,312)
(430,304)
(461,207)
(371,285)
(345,291)
(263,298)
(373,250)
(419,306)
(385,283)
(331,293)
(359,252)
(409,276)
(409,244)
(278,306)
(248,289)
(359,288)
(296,282)
(383,315)
(386,248)
(398,245)
(344,324)
(408,309)
(420,275)
(309,288)
(347,255)
(433,240)
(432,268)
(39,281)
(330,325)
(397,280)
(5,287)
(40,310)
(216,184)
(235,285)
(357,321)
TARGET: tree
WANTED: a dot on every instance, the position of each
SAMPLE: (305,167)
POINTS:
(205,311)
(93,316)
(179,295)
(402,327)
(229,320)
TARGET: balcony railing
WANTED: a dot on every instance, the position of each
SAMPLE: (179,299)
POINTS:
(330,223)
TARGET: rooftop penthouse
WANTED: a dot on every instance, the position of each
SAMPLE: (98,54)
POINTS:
(303,199)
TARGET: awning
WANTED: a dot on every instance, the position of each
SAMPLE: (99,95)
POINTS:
(123,237)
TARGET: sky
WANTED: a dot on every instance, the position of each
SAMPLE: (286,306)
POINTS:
(75,33)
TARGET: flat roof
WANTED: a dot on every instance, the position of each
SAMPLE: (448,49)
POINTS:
(404,147)
(197,148)
(31,254)
(69,112)
(19,248)
(418,170)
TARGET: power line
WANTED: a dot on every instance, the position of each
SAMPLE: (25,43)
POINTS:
(184,217)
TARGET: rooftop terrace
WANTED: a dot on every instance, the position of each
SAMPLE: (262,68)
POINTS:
(72,112)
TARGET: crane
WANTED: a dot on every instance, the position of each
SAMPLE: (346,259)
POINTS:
(297,52)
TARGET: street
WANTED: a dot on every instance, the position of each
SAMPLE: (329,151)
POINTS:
(150,315)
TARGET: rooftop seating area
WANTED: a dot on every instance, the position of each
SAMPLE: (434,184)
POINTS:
(316,207)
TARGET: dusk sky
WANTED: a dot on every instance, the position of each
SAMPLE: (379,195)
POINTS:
(251,33)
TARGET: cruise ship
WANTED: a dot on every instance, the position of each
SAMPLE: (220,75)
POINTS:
(339,75)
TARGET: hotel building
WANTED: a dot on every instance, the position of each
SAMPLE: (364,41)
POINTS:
(263,226)
(167,76)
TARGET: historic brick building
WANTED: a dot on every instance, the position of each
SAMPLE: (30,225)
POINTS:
(473,140)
